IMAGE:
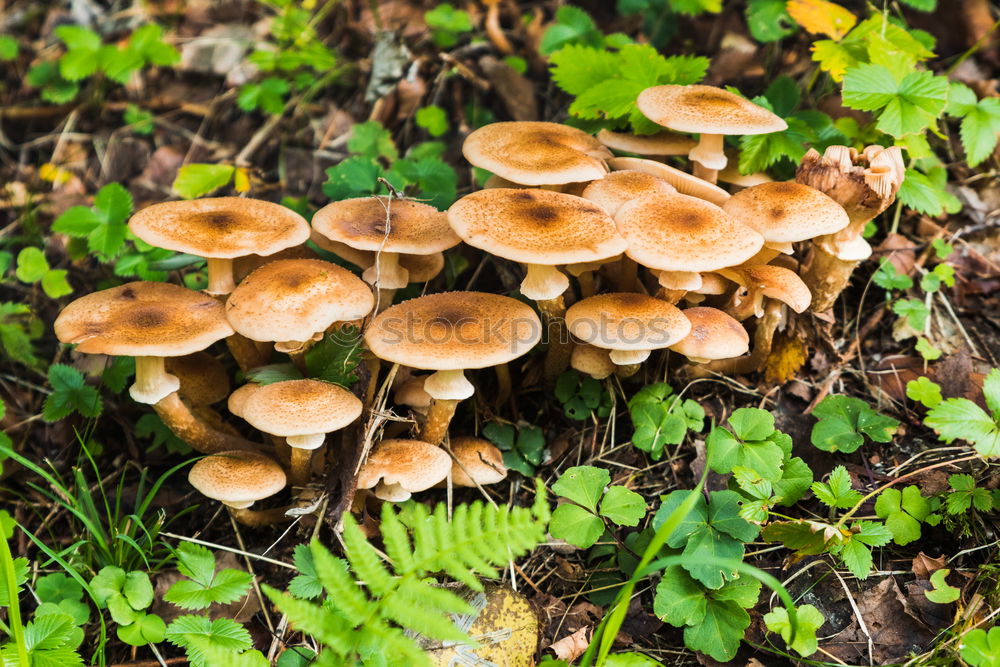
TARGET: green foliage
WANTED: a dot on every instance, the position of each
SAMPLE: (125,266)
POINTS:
(961,419)
(204,585)
(9,47)
(844,422)
(924,391)
(103,225)
(965,495)
(447,24)
(768,20)
(375,161)
(306,584)
(606,83)
(18,327)
(580,522)
(980,127)
(523,446)
(888,278)
(200,637)
(140,120)
(572,26)
(336,358)
(196,179)
(582,397)
(904,104)
(58,592)
(433,119)
(903,511)
(810,620)
(836,492)
(358,625)
(33,267)
(50,639)
(942,592)
(70,393)
(150,426)
(268,95)
(980,648)
(662,418)
(914,311)
(126,595)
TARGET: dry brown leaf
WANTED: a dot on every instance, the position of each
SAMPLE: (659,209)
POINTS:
(572,646)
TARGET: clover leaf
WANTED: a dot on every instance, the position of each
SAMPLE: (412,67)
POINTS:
(942,592)
(662,418)
(580,522)
(809,621)
(844,421)
(903,511)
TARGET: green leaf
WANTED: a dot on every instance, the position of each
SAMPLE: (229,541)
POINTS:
(965,495)
(268,95)
(583,485)
(623,506)
(31,265)
(146,629)
(857,557)
(796,479)
(924,391)
(961,419)
(205,586)
(147,42)
(836,491)
(888,278)
(138,590)
(8,47)
(433,119)
(371,140)
(768,20)
(306,584)
(194,179)
(20,577)
(55,285)
(222,633)
(720,632)
(927,350)
(926,193)
(903,511)
(572,26)
(942,592)
(57,587)
(915,311)
(336,358)
(809,620)
(80,59)
(844,420)
(70,394)
(679,600)
(981,649)
(354,177)
(447,23)
(903,107)
(576,525)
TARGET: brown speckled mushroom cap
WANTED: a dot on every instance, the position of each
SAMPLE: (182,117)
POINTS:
(454,331)
(536,153)
(775,282)
(239,397)
(203,378)
(592,360)
(481,462)
(143,319)
(300,408)
(662,143)
(237,479)
(401,467)
(714,335)
(535,226)
(626,321)
(222,227)
(706,109)
(620,187)
(786,212)
(683,182)
(413,228)
(681,233)
(244,266)
(292,299)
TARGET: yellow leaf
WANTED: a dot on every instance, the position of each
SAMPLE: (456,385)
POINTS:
(53,174)
(241,179)
(786,358)
(822,17)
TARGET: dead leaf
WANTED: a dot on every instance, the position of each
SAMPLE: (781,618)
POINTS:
(788,354)
(572,646)
(924,566)
(514,89)
(822,17)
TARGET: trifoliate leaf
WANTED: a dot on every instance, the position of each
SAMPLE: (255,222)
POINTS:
(965,495)
(372,141)
(433,119)
(576,525)
(572,26)
(836,491)
(857,557)
(305,584)
(809,621)
(924,391)
(145,629)
(888,278)
(583,485)
(903,511)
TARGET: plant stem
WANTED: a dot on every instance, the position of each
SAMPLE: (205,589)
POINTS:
(14,608)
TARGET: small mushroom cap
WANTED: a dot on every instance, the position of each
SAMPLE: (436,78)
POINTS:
(662,143)
(706,109)
(786,212)
(626,321)
(681,233)
(621,187)
(714,335)
(222,227)
(414,465)
(683,182)
(481,462)
(413,228)
(412,393)
(300,407)
(291,299)
(775,282)
(244,266)
(592,360)
(143,319)
(535,226)
(536,153)
(454,331)
(239,397)
(237,478)
(204,380)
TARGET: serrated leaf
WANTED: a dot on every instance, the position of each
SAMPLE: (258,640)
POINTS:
(857,557)
(306,584)
(70,394)
(720,632)
(836,491)
(960,418)
(222,633)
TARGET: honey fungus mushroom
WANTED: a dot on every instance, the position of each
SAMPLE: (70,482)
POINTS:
(220,229)
(683,182)
(293,301)
(238,480)
(620,187)
(303,412)
(536,153)
(766,281)
(398,468)
(712,113)
(449,333)
(713,335)
(477,462)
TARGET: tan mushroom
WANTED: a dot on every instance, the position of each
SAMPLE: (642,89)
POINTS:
(661,144)
(684,183)
(203,378)
(239,479)
(766,281)
(244,266)
(620,187)
(398,468)
(592,360)
(714,335)
(477,462)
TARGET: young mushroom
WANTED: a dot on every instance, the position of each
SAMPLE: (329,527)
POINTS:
(620,187)
(765,281)
(151,321)
(592,360)
(712,113)
(220,229)
(477,462)
(239,479)
(536,153)
(449,333)
(398,468)
(291,302)
(683,182)
(714,335)
(420,268)
(303,412)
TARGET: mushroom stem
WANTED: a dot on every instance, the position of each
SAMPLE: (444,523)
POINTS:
(706,174)
(627,371)
(672,296)
(628,357)
(152,381)
(543,283)
(247,353)
(762,339)
(439,416)
(503,384)
(826,277)
(220,276)
(560,348)
(194,431)
(259,518)
(627,275)
(384,300)
(744,306)
(300,465)
(710,155)
(587,285)
(386,272)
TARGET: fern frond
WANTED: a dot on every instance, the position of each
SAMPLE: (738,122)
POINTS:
(396,540)
(340,586)
(406,606)
(364,560)
(324,625)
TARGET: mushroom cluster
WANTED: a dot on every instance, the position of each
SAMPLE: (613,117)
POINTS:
(660,259)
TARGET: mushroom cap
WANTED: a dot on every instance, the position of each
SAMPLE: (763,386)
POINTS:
(621,187)
(707,110)
(662,143)
(244,266)
(239,397)
(682,233)
(413,228)
(775,282)
(626,321)
(536,153)
(204,380)
(300,407)
(222,227)
(415,465)
(714,335)
(481,462)
(237,478)
(592,360)
(683,182)
(786,212)
(454,331)
(535,226)
(291,299)
(412,393)
(143,319)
